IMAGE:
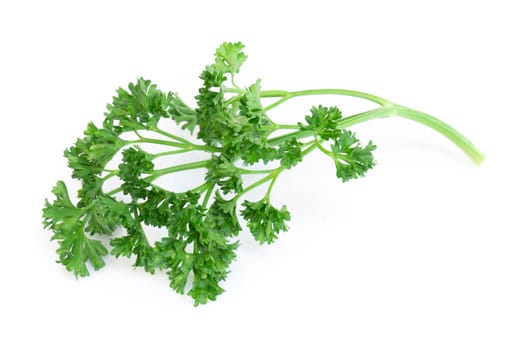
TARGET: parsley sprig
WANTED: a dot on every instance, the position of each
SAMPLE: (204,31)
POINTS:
(232,127)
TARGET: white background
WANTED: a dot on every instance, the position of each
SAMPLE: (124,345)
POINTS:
(414,256)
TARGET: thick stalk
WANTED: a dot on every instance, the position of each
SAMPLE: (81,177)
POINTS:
(286,95)
(445,129)
(436,124)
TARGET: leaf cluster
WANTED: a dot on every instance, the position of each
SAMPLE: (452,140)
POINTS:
(232,127)
(351,159)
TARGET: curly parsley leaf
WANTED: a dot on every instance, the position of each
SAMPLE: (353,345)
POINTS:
(90,154)
(182,113)
(140,107)
(290,153)
(135,242)
(324,122)
(264,220)
(222,172)
(134,163)
(351,159)
(67,222)
(229,57)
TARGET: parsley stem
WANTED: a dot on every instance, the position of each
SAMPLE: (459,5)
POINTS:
(474,153)
(157,142)
(160,172)
(277,103)
(445,129)
(296,134)
(169,153)
(255,184)
(287,126)
(274,175)
(111,173)
(255,171)
(200,189)
(173,169)
(210,189)
(233,82)
(172,136)
(234,99)
(189,146)
(114,191)
(323,149)
(286,95)
(310,149)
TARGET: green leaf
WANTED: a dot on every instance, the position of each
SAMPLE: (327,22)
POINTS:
(290,153)
(95,250)
(176,260)
(189,226)
(135,242)
(351,159)
(222,172)
(103,216)
(212,113)
(324,122)
(222,217)
(211,264)
(89,155)
(140,107)
(204,289)
(251,106)
(67,222)
(182,113)
(265,221)
(253,152)
(229,57)
(135,162)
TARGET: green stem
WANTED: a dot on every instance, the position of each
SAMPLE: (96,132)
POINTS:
(286,95)
(271,185)
(160,172)
(255,171)
(277,103)
(172,136)
(436,124)
(169,153)
(233,99)
(187,147)
(113,191)
(157,142)
(445,129)
(173,169)
(233,82)
(233,90)
(309,149)
(273,174)
(111,173)
(210,189)
(323,149)
(200,189)
(255,184)
(286,126)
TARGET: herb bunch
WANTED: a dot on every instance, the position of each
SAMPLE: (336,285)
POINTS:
(232,126)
